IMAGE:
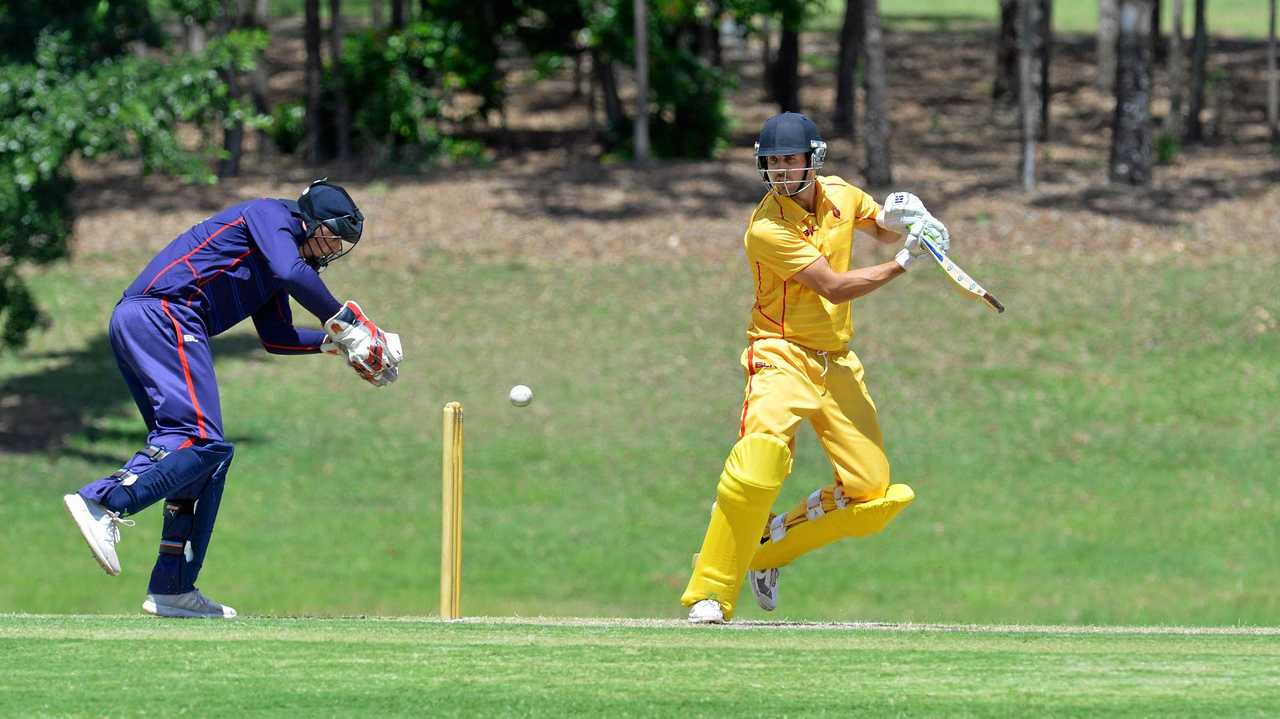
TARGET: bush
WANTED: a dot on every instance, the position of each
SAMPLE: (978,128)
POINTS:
(288,126)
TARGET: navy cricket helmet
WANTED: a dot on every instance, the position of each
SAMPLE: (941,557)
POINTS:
(324,203)
(790,133)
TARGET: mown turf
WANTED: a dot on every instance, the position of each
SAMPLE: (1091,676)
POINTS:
(1102,453)
(117,666)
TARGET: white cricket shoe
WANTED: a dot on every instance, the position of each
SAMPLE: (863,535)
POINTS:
(764,585)
(189,604)
(100,528)
(706,611)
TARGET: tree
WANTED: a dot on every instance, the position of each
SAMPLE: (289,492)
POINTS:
(851,35)
(1107,28)
(1044,51)
(1005,89)
(1028,94)
(1273,78)
(340,98)
(1177,59)
(641,24)
(876,137)
(312,82)
(786,69)
(1131,156)
(1199,63)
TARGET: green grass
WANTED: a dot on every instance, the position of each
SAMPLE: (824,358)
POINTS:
(1102,453)
(368,667)
(1233,18)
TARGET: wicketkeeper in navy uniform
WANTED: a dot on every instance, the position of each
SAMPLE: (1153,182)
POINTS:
(245,261)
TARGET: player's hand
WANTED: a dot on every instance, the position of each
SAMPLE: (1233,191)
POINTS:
(900,212)
(368,348)
(936,232)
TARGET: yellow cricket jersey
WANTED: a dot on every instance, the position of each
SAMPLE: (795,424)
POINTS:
(782,239)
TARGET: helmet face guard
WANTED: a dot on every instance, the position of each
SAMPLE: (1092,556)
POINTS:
(332,207)
(814,159)
(790,133)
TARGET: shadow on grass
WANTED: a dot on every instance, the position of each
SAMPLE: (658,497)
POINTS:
(71,391)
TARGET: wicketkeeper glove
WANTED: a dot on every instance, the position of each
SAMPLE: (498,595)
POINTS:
(371,352)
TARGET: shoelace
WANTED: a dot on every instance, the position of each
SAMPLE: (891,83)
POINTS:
(113,527)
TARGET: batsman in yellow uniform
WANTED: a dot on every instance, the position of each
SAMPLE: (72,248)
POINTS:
(799,367)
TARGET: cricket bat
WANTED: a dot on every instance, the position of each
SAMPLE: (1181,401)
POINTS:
(961,277)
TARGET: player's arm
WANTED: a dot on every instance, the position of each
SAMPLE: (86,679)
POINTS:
(269,227)
(274,323)
(837,287)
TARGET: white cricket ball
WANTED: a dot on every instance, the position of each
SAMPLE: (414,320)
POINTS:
(520,395)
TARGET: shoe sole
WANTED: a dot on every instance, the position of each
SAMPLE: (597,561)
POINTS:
(73,508)
(157,610)
(763,601)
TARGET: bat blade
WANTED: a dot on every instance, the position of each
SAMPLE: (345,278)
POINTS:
(960,277)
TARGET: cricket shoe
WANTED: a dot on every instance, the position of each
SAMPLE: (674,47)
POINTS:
(100,528)
(764,584)
(190,604)
(706,611)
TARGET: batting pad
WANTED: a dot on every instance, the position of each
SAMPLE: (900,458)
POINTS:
(750,482)
(822,518)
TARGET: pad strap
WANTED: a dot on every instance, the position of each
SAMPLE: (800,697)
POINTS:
(168,546)
(813,505)
(180,506)
(778,528)
(125,476)
(154,453)
(837,495)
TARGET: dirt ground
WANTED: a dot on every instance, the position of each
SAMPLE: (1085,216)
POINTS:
(547,198)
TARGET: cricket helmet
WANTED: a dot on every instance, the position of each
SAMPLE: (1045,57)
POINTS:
(790,133)
(324,203)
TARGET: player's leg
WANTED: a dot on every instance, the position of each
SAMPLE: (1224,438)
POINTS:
(778,396)
(189,516)
(861,500)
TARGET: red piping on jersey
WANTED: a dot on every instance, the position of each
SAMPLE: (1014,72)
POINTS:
(166,268)
(191,267)
(186,368)
(751,373)
(782,326)
(271,345)
(234,262)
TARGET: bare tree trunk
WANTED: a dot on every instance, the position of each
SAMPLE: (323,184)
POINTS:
(375,14)
(766,55)
(312,41)
(397,15)
(1199,63)
(846,111)
(1028,101)
(1177,76)
(1005,89)
(341,102)
(786,71)
(1107,18)
(879,166)
(642,83)
(1159,51)
(1273,78)
(1131,127)
(1044,36)
(614,116)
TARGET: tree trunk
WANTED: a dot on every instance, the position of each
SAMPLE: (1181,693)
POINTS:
(1177,76)
(1131,126)
(1005,89)
(876,137)
(1199,63)
(766,56)
(1028,97)
(397,15)
(341,101)
(312,40)
(851,33)
(641,150)
(375,14)
(786,71)
(1044,36)
(614,116)
(1107,10)
(1159,51)
(1273,78)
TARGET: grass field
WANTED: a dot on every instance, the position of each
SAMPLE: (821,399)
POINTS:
(369,667)
(1102,453)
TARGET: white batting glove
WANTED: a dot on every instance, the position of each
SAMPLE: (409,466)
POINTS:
(901,210)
